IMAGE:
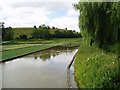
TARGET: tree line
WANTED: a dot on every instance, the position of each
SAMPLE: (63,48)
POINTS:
(7,33)
(99,22)
(42,32)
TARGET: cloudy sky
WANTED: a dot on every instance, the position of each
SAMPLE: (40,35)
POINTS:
(27,13)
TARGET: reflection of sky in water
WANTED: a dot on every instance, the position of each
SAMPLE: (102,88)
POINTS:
(39,70)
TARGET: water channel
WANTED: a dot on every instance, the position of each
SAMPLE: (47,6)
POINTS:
(44,69)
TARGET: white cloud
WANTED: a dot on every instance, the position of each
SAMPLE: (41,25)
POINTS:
(24,17)
(65,22)
(69,21)
(72,12)
(17,13)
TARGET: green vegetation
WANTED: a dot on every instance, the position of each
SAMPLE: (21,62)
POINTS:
(17,46)
(94,68)
(28,30)
(22,31)
(99,21)
(22,51)
(97,60)
(42,41)
(42,32)
(7,33)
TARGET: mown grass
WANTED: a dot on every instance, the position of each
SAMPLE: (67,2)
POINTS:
(22,51)
(41,41)
(17,46)
(95,68)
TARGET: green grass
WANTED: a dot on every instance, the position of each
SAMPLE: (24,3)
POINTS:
(94,68)
(19,46)
(22,51)
(39,41)
(19,31)
(28,30)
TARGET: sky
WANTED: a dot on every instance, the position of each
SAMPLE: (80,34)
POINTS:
(27,13)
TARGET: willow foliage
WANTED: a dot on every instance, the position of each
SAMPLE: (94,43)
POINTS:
(99,21)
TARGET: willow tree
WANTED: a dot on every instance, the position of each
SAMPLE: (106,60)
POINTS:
(99,21)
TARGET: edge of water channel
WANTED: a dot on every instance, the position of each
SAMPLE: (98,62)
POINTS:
(68,67)
(68,71)
(9,59)
(18,56)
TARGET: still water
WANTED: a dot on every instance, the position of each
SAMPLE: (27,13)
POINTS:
(45,69)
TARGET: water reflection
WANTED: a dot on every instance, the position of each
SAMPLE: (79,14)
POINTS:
(51,53)
(45,69)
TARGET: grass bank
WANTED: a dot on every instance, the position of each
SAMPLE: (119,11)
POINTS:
(18,52)
(42,41)
(94,68)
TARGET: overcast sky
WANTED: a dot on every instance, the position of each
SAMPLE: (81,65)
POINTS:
(27,13)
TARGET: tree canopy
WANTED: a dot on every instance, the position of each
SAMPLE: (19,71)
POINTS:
(7,33)
(99,21)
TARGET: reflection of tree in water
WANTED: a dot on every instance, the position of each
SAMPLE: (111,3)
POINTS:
(35,57)
(54,55)
(44,57)
(47,54)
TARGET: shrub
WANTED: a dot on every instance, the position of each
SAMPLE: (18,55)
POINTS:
(23,36)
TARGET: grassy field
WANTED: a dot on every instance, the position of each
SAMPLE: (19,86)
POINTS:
(39,41)
(28,30)
(94,68)
(22,51)
(18,31)
(19,46)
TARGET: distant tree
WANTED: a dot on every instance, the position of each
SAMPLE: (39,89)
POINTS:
(65,28)
(23,36)
(58,34)
(41,32)
(34,32)
(74,31)
(71,34)
(39,26)
(2,25)
(46,33)
(35,27)
(48,27)
(53,27)
(78,35)
(7,33)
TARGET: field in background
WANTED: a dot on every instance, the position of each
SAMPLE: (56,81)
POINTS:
(28,30)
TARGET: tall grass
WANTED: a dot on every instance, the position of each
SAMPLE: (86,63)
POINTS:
(94,68)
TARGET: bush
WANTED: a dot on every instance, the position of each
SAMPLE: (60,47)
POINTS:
(23,36)
(17,38)
(31,37)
